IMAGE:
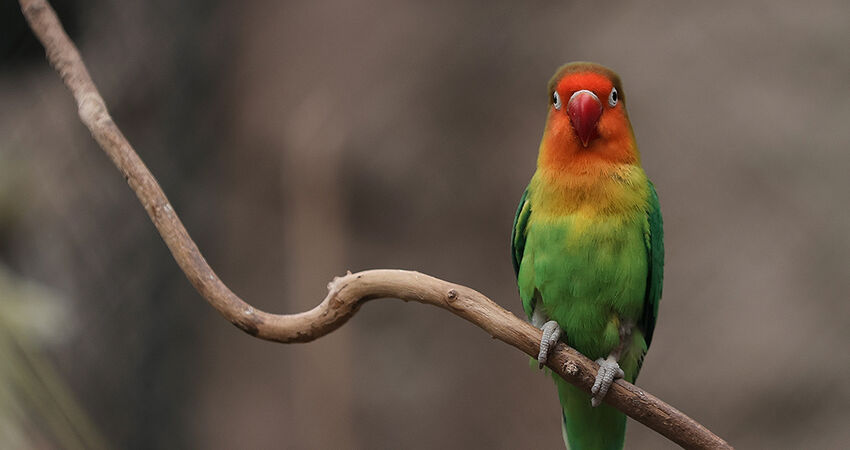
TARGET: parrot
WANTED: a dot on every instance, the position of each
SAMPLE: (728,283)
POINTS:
(587,246)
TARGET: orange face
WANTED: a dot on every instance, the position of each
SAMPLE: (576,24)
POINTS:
(587,122)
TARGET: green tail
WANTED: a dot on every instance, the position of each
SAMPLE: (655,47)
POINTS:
(585,427)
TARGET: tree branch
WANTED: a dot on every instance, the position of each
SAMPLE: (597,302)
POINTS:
(346,294)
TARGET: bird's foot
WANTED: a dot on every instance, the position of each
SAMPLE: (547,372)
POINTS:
(551,334)
(609,370)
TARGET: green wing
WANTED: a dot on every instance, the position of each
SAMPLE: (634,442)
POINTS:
(518,235)
(523,212)
(655,277)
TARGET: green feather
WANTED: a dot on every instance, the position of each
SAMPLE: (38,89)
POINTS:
(655,281)
(592,273)
(523,212)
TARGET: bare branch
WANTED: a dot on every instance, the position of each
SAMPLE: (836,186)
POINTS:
(346,294)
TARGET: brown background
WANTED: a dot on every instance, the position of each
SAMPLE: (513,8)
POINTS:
(302,139)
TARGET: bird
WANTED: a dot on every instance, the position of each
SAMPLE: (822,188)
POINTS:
(587,246)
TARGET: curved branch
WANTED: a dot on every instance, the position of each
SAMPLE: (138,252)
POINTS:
(346,294)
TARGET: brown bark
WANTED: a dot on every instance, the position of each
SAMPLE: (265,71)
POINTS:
(346,294)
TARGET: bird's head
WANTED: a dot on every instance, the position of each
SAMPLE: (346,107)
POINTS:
(587,120)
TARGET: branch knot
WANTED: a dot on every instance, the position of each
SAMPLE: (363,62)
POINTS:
(571,368)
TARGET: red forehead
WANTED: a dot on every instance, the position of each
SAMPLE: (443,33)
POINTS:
(594,82)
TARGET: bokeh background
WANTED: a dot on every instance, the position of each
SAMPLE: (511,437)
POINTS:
(299,140)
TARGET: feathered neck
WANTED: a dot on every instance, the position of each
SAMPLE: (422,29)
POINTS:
(570,180)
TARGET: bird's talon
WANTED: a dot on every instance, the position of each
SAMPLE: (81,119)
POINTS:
(609,370)
(551,334)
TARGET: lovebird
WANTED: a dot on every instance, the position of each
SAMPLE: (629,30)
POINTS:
(587,246)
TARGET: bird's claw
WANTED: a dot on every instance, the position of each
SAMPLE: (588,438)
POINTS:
(609,370)
(551,334)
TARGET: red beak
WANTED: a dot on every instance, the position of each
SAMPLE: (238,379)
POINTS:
(584,109)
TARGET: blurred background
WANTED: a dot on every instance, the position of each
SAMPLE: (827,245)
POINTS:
(298,140)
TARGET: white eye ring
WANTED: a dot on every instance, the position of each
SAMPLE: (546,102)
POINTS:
(556,100)
(613,97)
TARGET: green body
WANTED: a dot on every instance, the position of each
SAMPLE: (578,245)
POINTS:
(591,255)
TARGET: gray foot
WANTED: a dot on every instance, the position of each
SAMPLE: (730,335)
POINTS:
(551,334)
(608,371)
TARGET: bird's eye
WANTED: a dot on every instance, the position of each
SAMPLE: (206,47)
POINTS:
(613,97)
(556,100)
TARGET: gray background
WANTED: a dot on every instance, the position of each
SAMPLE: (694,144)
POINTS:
(299,140)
